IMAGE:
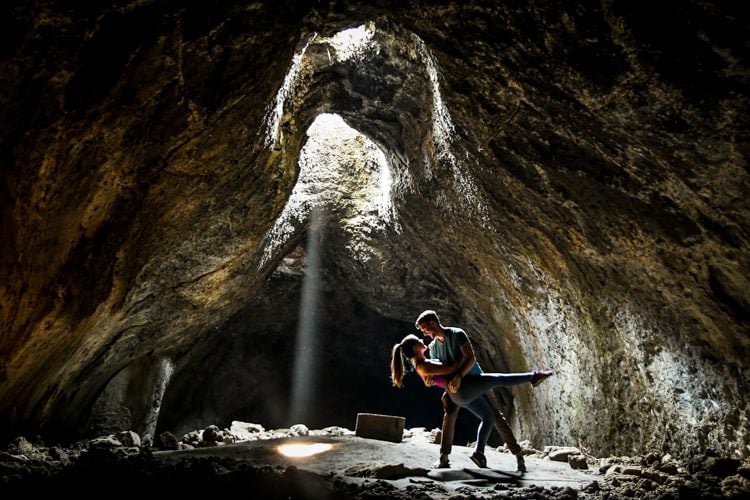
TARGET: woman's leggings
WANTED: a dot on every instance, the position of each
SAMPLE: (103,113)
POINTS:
(470,395)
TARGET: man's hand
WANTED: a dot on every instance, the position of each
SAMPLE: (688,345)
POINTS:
(428,381)
(455,384)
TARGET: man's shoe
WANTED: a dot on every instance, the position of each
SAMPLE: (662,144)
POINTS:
(521,463)
(540,376)
(443,463)
(479,459)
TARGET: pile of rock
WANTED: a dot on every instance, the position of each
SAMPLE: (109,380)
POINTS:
(240,432)
(661,475)
(654,475)
(22,459)
(25,459)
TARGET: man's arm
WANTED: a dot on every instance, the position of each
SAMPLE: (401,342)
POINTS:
(468,360)
(464,364)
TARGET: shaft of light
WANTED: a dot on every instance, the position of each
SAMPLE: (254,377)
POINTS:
(306,351)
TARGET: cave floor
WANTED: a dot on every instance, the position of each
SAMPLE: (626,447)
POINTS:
(404,466)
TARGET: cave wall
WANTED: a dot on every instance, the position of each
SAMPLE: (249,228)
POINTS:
(569,186)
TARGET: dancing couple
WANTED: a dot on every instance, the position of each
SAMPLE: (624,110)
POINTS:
(451,364)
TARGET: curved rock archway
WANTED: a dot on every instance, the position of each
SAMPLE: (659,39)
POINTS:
(568,184)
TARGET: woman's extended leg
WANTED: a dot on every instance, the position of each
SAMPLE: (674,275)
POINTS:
(473,386)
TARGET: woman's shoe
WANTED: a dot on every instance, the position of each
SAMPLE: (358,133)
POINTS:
(479,459)
(443,463)
(540,376)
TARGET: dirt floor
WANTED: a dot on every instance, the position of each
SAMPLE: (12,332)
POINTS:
(246,460)
(407,465)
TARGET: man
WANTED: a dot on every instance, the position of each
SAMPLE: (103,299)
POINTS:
(451,345)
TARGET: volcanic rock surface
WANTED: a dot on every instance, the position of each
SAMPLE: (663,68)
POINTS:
(186,188)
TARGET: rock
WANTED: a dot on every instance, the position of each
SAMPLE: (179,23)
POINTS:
(655,475)
(299,430)
(383,427)
(126,451)
(12,457)
(245,431)
(58,454)
(646,485)
(129,438)
(628,492)
(436,435)
(721,467)
(193,438)
(527,449)
(632,470)
(668,468)
(612,470)
(168,441)
(592,487)
(185,446)
(691,489)
(105,443)
(22,445)
(333,431)
(650,459)
(577,461)
(605,464)
(735,487)
(561,454)
(623,472)
(211,434)
(419,434)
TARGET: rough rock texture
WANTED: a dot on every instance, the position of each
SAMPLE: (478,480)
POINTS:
(568,182)
(354,468)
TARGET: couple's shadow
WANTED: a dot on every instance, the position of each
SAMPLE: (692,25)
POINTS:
(466,474)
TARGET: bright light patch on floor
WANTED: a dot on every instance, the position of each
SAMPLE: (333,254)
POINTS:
(298,450)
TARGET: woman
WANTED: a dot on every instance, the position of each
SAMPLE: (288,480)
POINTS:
(432,372)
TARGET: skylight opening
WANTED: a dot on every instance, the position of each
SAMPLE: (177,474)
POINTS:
(341,172)
(352,42)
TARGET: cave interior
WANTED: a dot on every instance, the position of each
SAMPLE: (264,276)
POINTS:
(219,211)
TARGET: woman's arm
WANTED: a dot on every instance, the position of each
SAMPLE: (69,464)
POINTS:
(432,367)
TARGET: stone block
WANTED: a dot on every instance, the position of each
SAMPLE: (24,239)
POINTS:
(381,427)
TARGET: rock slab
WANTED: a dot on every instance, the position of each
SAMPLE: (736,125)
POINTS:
(382,427)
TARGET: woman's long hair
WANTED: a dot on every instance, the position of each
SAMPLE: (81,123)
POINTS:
(402,352)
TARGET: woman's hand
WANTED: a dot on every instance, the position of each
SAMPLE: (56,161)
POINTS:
(455,384)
